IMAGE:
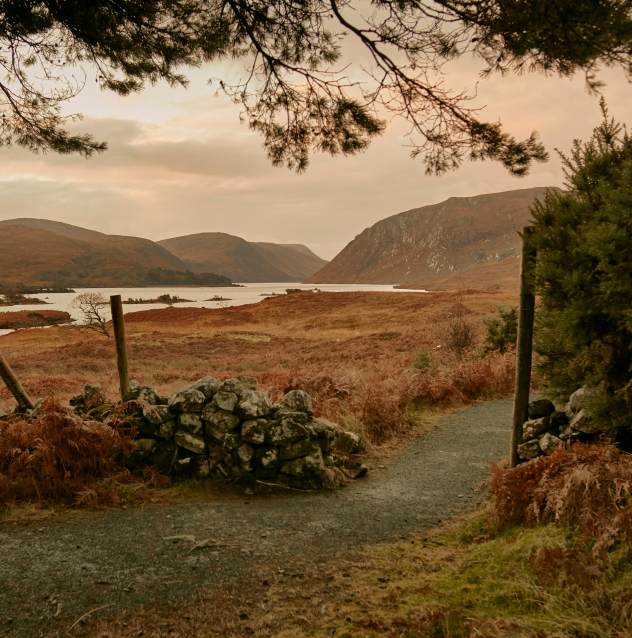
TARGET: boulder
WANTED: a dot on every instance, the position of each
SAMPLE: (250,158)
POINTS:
(142,393)
(145,445)
(568,433)
(531,429)
(329,425)
(285,431)
(220,423)
(166,430)
(191,442)
(164,455)
(232,385)
(190,422)
(578,399)
(540,408)
(245,453)
(265,461)
(226,401)
(208,386)
(158,414)
(231,442)
(248,383)
(349,442)
(529,450)
(215,455)
(311,465)
(583,423)
(254,431)
(254,404)
(298,401)
(294,450)
(186,401)
(550,443)
(558,419)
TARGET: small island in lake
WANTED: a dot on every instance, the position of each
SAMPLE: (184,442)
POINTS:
(168,299)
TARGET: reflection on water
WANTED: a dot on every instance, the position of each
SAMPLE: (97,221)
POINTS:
(200,297)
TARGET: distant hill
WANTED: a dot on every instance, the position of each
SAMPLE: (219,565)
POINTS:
(243,261)
(490,275)
(434,241)
(41,252)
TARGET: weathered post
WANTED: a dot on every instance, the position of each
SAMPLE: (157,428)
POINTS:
(119,338)
(14,385)
(524,346)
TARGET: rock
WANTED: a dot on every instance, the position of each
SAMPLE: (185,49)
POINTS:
(164,455)
(248,383)
(328,460)
(145,445)
(208,386)
(254,431)
(142,393)
(297,449)
(540,408)
(550,443)
(166,430)
(355,471)
(296,417)
(569,433)
(145,429)
(531,429)
(583,423)
(329,425)
(203,468)
(245,453)
(305,466)
(285,431)
(349,442)
(158,414)
(558,419)
(231,442)
(325,445)
(254,404)
(298,401)
(578,398)
(190,422)
(215,455)
(529,450)
(92,394)
(232,385)
(226,401)
(265,462)
(319,428)
(191,442)
(186,401)
(220,423)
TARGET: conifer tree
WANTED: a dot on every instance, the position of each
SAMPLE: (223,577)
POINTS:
(584,274)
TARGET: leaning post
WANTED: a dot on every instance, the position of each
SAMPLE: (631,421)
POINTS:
(119,338)
(14,385)
(524,347)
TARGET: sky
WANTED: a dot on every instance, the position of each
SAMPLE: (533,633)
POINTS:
(181,162)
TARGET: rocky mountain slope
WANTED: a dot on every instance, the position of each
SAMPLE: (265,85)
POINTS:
(244,261)
(34,251)
(435,240)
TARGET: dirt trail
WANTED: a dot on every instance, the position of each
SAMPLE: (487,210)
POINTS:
(126,559)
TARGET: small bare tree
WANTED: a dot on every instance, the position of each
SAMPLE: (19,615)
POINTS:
(458,331)
(93,306)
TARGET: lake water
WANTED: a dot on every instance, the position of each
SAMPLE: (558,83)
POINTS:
(250,293)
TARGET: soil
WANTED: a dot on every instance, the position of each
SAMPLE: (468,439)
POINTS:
(53,572)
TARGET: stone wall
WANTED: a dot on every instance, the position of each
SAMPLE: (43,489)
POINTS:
(229,430)
(550,426)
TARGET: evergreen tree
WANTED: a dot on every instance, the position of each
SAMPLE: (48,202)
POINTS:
(297,90)
(584,275)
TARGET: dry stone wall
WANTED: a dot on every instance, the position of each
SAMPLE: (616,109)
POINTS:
(550,426)
(230,430)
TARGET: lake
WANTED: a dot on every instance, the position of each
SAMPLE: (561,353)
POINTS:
(250,293)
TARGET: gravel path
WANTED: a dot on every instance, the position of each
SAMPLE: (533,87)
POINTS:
(124,559)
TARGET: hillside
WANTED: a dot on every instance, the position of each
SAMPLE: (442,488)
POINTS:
(435,240)
(37,256)
(244,261)
(491,275)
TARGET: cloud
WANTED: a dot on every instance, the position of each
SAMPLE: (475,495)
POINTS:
(181,162)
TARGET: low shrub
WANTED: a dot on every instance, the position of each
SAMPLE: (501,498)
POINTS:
(423,360)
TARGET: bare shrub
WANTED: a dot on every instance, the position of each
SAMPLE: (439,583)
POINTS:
(94,308)
(587,486)
(458,331)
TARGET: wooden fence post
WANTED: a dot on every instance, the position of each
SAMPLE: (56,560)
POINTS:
(524,347)
(119,338)
(14,385)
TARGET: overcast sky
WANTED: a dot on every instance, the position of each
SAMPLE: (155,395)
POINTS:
(180,162)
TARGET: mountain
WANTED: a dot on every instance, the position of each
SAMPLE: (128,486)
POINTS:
(435,240)
(38,251)
(244,261)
